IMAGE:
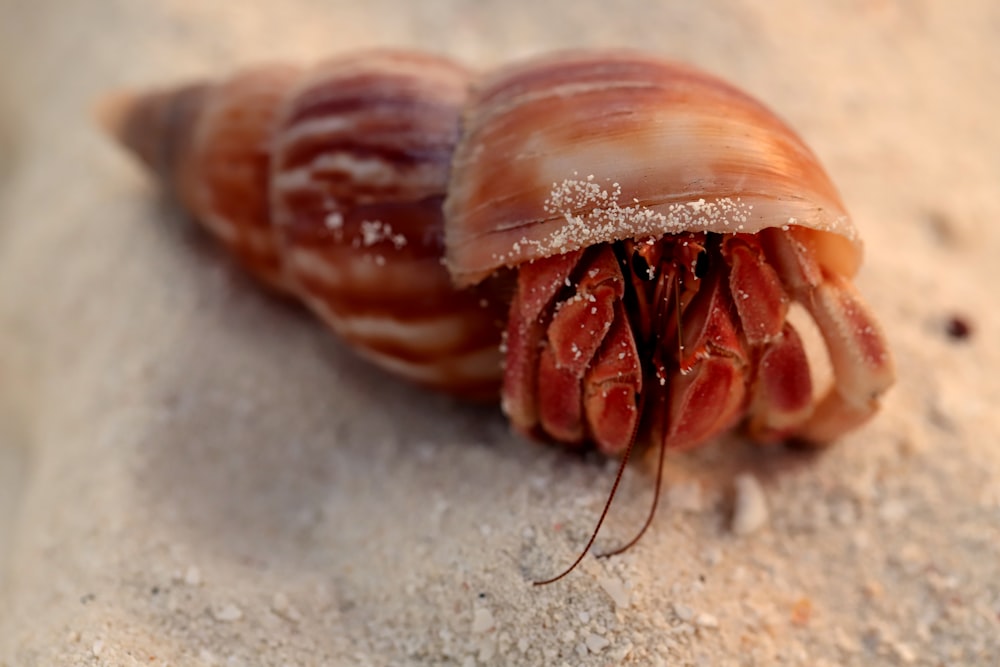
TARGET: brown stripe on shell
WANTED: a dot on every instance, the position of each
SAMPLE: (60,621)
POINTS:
(442,348)
(374,80)
(388,134)
(390,153)
(405,130)
(359,174)
(227,183)
(380,283)
(590,148)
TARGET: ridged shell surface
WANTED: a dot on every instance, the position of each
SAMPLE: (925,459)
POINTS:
(226,182)
(359,172)
(581,148)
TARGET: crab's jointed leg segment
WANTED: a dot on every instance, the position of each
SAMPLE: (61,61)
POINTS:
(538,284)
(859,354)
(611,387)
(782,394)
(573,338)
(781,384)
(707,391)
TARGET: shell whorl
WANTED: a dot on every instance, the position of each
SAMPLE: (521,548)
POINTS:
(327,184)
(360,166)
(581,148)
(209,143)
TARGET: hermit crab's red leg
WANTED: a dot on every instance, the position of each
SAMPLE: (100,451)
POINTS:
(575,335)
(611,387)
(560,399)
(862,366)
(781,389)
(537,286)
(859,356)
(781,394)
(707,392)
(756,290)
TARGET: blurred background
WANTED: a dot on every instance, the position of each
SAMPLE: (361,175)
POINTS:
(899,98)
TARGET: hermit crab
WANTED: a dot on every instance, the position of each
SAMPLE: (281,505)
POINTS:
(609,242)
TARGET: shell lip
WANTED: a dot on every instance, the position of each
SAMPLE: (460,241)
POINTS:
(568,228)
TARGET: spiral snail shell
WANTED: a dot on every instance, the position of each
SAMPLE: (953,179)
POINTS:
(635,230)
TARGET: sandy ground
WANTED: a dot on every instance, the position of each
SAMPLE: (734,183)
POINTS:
(192,473)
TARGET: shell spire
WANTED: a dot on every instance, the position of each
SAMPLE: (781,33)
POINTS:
(209,144)
(156,126)
(326,183)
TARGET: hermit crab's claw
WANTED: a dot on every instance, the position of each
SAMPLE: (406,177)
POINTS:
(780,382)
(862,365)
(782,389)
(612,386)
(572,367)
(707,394)
(537,287)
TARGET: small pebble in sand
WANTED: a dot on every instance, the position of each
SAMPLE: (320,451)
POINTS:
(802,612)
(906,655)
(616,590)
(958,327)
(750,511)
(712,555)
(282,606)
(482,620)
(683,612)
(595,643)
(193,576)
(706,620)
(227,613)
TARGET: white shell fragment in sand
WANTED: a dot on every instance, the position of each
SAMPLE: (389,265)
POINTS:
(595,643)
(482,621)
(706,620)
(227,613)
(750,509)
(192,577)
(617,590)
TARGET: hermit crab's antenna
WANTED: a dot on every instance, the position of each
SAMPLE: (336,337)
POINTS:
(607,504)
(652,508)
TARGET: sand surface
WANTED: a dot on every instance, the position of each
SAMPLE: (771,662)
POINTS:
(193,473)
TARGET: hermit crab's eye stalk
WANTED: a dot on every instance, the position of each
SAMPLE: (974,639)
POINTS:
(637,229)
